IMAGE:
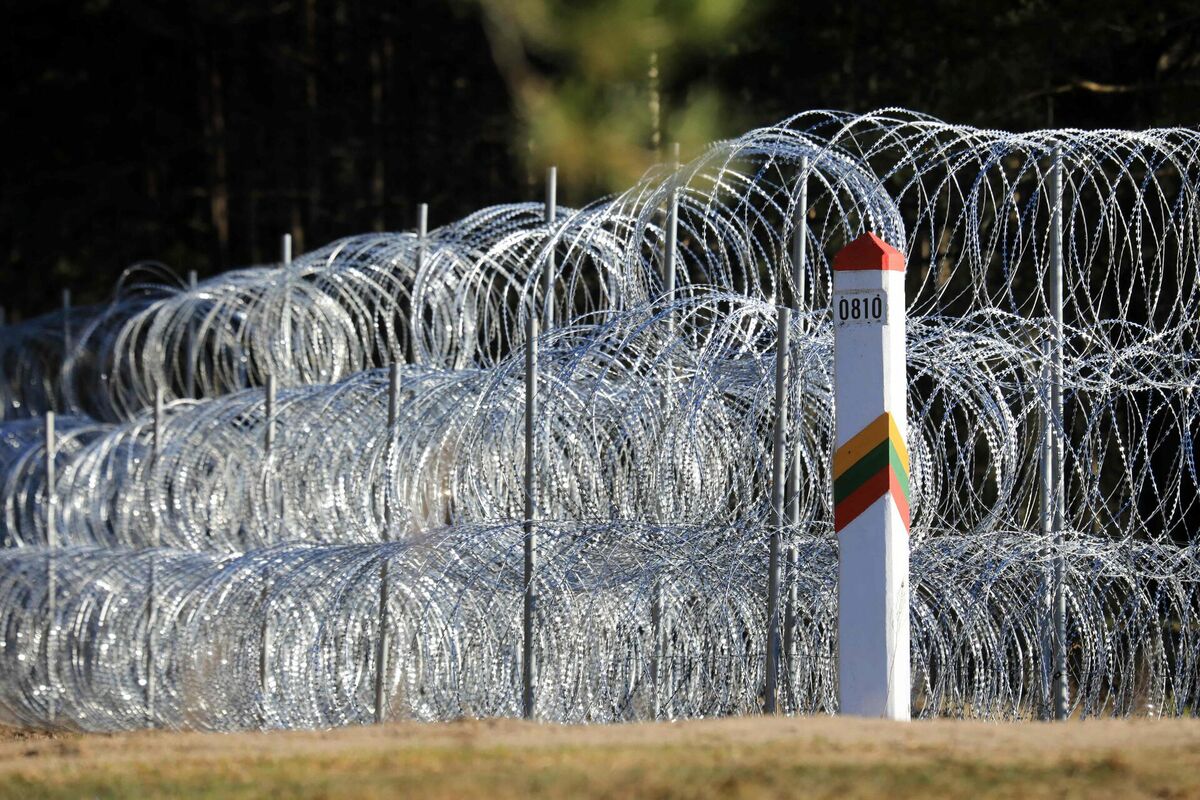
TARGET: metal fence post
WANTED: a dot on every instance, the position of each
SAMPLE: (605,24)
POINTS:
(264,658)
(530,545)
(51,546)
(792,498)
(551,263)
(155,543)
(771,692)
(381,654)
(1058,499)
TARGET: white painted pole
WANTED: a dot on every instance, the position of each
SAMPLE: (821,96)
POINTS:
(51,573)
(1061,700)
(551,265)
(286,249)
(530,599)
(156,542)
(870,480)
(381,653)
(778,477)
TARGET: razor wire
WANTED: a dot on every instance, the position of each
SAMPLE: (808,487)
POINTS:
(310,615)
(655,408)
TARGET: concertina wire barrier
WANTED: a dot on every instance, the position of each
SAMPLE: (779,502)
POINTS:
(202,577)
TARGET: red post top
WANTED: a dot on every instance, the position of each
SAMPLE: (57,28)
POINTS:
(868,252)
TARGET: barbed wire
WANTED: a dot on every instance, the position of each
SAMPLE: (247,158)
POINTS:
(245,577)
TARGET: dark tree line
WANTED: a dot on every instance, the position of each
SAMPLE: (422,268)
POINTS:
(196,133)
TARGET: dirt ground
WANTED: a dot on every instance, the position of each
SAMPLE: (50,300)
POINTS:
(745,757)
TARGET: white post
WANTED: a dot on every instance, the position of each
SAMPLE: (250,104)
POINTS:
(381,653)
(530,600)
(51,546)
(551,266)
(870,480)
(286,249)
(778,477)
(1056,451)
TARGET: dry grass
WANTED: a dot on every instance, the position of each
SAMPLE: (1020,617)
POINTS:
(749,757)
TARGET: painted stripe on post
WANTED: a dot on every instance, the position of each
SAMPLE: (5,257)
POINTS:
(872,464)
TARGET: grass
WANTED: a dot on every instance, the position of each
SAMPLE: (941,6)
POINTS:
(744,758)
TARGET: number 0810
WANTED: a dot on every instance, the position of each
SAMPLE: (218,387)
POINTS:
(860,308)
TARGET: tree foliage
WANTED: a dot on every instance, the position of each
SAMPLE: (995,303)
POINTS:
(196,133)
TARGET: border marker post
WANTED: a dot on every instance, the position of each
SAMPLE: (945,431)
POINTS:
(870,480)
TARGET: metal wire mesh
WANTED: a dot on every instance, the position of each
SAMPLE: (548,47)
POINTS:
(209,579)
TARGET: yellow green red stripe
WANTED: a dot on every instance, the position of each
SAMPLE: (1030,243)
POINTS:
(871,464)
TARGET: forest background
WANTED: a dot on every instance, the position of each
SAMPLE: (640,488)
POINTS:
(195,134)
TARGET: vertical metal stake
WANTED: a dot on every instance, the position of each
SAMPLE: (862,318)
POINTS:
(771,692)
(551,266)
(264,660)
(800,242)
(381,654)
(530,600)
(1046,508)
(792,499)
(410,354)
(51,573)
(156,542)
(1061,700)
(672,232)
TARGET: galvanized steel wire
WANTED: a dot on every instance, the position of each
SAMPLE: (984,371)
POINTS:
(207,579)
